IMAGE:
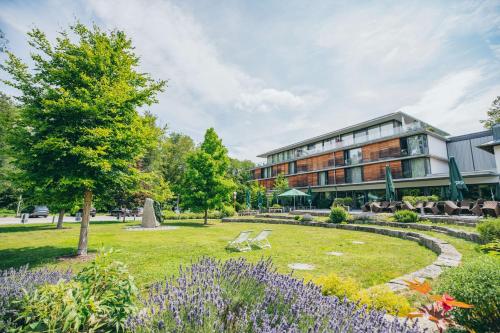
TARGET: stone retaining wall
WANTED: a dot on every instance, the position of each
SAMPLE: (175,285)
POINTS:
(468,236)
(448,256)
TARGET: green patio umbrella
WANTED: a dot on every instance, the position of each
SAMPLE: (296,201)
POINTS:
(390,192)
(292,193)
(497,191)
(445,193)
(457,184)
(247,198)
(310,196)
(259,200)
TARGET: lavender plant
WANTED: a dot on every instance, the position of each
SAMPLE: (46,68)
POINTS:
(236,296)
(15,283)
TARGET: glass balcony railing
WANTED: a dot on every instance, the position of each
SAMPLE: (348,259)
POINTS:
(331,145)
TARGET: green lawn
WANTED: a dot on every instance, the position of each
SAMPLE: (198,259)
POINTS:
(151,255)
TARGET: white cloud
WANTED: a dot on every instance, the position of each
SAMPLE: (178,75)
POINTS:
(456,102)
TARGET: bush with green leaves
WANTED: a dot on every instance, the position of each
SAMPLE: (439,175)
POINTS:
(421,198)
(489,230)
(277,206)
(476,282)
(338,215)
(227,211)
(406,216)
(170,215)
(339,202)
(99,298)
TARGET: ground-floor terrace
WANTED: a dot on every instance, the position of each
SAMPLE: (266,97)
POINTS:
(480,185)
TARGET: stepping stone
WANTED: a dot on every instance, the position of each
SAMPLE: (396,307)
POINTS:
(301,267)
(358,242)
(338,254)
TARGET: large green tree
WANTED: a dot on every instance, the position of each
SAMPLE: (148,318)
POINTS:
(9,113)
(173,155)
(79,128)
(493,114)
(281,184)
(206,184)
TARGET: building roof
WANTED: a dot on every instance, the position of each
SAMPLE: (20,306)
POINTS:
(399,115)
(470,136)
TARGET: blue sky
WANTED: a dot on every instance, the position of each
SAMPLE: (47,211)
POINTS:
(268,73)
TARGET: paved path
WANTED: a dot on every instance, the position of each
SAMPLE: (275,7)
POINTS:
(33,220)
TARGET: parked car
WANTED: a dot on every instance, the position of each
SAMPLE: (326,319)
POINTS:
(93,211)
(120,211)
(37,211)
(137,211)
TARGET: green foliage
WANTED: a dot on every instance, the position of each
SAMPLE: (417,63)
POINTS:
(422,198)
(281,184)
(493,114)
(276,205)
(101,297)
(170,215)
(206,185)
(297,218)
(406,216)
(492,248)
(6,212)
(338,215)
(227,211)
(347,201)
(489,230)
(478,283)
(378,297)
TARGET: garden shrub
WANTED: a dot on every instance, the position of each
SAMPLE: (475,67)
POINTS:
(278,206)
(338,215)
(99,298)
(375,298)
(237,296)
(383,298)
(406,216)
(478,283)
(339,202)
(16,283)
(297,217)
(492,248)
(422,198)
(489,230)
(227,211)
(170,215)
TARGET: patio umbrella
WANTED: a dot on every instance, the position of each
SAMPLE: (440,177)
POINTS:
(259,200)
(457,184)
(390,192)
(293,193)
(247,198)
(445,193)
(497,191)
(310,196)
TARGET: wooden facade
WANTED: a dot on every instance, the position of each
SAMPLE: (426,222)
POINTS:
(308,168)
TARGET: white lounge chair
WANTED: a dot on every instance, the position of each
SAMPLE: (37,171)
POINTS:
(261,239)
(240,243)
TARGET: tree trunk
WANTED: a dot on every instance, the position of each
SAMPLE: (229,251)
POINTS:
(124,214)
(206,216)
(84,226)
(60,219)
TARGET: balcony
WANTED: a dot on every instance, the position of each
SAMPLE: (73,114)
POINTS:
(348,141)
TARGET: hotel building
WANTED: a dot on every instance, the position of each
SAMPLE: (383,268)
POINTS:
(351,161)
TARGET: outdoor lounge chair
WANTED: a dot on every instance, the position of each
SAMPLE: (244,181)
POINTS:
(394,206)
(366,207)
(465,207)
(385,206)
(240,243)
(477,209)
(451,208)
(490,208)
(261,240)
(375,207)
(408,206)
(431,208)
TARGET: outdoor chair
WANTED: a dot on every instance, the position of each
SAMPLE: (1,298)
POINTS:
(490,208)
(451,208)
(240,243)
(408,206)
(385,206)
(431,208)
(465,207)
(394,206)
(366,207)
(261,240)
(375,207)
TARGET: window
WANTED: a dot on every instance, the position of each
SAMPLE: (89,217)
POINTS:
(354,175)
(353,156)
(360,136)
(387,129)
(414,168)
(323,178)
(374,133)
(292,168)
(347,139)
(414,145)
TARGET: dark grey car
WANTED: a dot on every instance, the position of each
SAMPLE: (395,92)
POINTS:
(38,211)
